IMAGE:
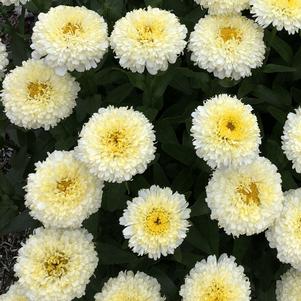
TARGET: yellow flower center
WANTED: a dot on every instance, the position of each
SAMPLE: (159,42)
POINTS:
(230,33)
(148,33)
(157,221)
(38,90)
(217,292)
(249,194)
(72,29)
(116,142)
(65,185)
(56,265)
(230,128)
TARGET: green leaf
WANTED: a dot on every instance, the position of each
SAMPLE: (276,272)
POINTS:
(273,68)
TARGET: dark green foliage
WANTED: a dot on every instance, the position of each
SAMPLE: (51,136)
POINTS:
(168,100)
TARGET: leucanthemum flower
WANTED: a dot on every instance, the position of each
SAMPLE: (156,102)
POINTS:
(225,132)
(285,234)
(3,59)
(289,287)
(246,199)
(13,2)
(62,193)
(228,46)
(148,38)
(70,38)
(15,293)
(156,222)
(224,7)
(216,279)
(282,14)
(56,265)
(34,96)
(116,144)
(291,139)
(130,286)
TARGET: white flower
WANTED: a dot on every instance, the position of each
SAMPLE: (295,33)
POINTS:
(62,193)
(291,139)
(214,279)
(13,2)
(289,287)
(246,199)
(70,38)
(156,222)
(129,286)
(225,132)
(55,265)
(285,234)
(15,293)
(229,46)
(34,96)
(282,14)
(116,144)
(148,38)
(3,59)
(224,7)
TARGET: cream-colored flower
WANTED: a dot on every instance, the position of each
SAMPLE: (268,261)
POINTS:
(156,222)
(225,132)
(34,96)
(13,2)
(56,265)
(245,199)
(15,293)
(148,38)
(3,59)
(212,280)
(282,14)
(291,139)
(228,46)
(116,144)
(285,234)
(128,286)
(224,7)
(62,193)
(70,38)
(289,287)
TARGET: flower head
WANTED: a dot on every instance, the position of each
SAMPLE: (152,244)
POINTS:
(70,38)
(15,293)
(34,96)
(282,14)
(55,265)
(291,139)
(213,279)
(62,193)
(245,199)
(289,287)
(116,144)
(229,46)
(13,2)
(148,38)
(224,7)
(156,222)
(3,59)
(129,286)
(285,234)
(225,132)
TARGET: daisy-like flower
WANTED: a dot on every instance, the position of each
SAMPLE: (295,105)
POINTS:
(148,38)
(289,287)
(246,199)
(229,46)
(285,234)
(3,59)
(13,2)
(62,193)
(214,279)
(15,293)
(70,38)
(130,286)
(34,96)
(224,7)
(56,265)
(225,132)
(116,144)
(156,222)
(282,14)
(291,139)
